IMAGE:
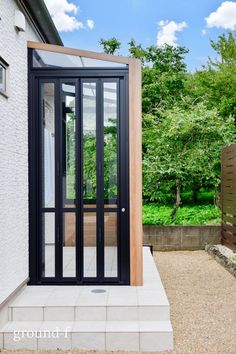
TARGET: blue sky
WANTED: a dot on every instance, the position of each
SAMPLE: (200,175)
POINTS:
(81,23)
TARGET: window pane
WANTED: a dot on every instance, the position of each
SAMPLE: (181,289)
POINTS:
(69,156)
(90,245)
(89,143)
(48,251)
(43,58)
(48,146)
(110,142)
(110,236)
(69,245)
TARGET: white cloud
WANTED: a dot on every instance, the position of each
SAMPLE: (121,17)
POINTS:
(167,32)
(223,17)
(204,32)
(62,13)
(90,24)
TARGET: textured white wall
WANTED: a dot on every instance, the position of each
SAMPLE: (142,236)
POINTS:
(14,153)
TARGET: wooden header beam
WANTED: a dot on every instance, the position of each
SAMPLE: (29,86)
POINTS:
(80,53)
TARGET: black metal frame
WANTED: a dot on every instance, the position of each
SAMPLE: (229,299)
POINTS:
(36,211)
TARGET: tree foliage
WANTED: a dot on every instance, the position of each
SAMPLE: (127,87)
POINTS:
(184,150)
(163,74)
(110,46)
(215,83)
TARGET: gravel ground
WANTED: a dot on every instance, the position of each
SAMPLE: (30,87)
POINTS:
(202,295)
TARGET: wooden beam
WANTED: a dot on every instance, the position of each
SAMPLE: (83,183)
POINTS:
(228,203)
(135,164)
(79,52)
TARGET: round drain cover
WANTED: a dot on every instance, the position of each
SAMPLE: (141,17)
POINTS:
(98,291)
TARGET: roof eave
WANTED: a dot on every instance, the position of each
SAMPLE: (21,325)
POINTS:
(41,17)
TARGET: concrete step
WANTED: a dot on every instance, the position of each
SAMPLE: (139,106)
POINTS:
(99,335)
(92,317)
(94,303)
(90,313)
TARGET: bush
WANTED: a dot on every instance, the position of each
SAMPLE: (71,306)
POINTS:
(154,214)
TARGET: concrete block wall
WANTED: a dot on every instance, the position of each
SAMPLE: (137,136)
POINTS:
(169,238)
(14,153)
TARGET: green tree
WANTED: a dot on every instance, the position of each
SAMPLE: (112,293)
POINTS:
(137,51)
(215,83)
(110,46)
(184,149)
(163,75)
(225,47)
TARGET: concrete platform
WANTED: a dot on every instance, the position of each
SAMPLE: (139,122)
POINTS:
(116,318)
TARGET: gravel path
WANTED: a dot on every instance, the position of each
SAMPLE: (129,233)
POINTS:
(202,295)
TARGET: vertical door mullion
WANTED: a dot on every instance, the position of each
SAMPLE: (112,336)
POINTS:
(39,177)
(79,181)
(58,173)
(100,179)
(120,161)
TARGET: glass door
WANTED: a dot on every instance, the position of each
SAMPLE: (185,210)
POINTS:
(100,178)
(83,211)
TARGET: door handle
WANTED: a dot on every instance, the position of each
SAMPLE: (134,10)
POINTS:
(123,210)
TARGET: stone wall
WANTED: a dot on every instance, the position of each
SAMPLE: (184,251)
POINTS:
(169,238)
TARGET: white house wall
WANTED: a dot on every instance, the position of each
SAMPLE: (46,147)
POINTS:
(14,153)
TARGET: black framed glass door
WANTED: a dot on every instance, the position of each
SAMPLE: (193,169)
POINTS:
(79,178)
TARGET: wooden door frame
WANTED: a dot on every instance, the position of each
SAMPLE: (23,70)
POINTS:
(135,148)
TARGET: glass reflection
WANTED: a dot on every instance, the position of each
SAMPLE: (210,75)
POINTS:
(90,245)
(110,142)
(48,147)
(69,155)
(69,245)
(89,142)
(48,251)
(42,59)
(110,237)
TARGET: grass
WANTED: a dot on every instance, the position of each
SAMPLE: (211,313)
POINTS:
(203,212)
(154,214)
(203,197)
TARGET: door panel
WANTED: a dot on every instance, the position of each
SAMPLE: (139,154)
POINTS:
(82,167)
(67,177)
(89,177)
(47,178)
(111,171)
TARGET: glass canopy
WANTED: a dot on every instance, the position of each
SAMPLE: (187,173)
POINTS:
(44,59)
